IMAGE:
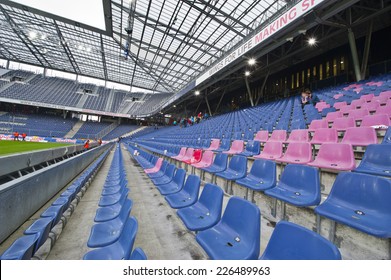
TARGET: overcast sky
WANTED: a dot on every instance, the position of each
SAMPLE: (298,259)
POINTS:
(89,12)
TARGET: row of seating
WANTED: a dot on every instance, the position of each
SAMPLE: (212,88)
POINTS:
(114,232)
(26,246)
(235,235)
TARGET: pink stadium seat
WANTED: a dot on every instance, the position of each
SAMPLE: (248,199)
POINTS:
(357,103)
(345,109)
(367,97)
(262,136)
(338,105)
(325,135)
(321,105)
(381,99)
(376,120)
(384,110)
(315,124)
(342,124)
(360,136)
(386,94)
(278,136)
(331,116)
(371,106)
(181,154)
(236,148)
(300,153)
(336,156)
(337,96)
(358,114)
(188,155)
(197,154)
(156,168)
(271,150)
(214,145)
(206,161)
(298,135)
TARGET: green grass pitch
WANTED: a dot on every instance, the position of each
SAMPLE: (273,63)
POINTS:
(16,147)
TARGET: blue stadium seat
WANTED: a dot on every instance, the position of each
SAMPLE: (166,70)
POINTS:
(23,248)
(253,147)
(376,160)
(237,168)
(138,254)
(224,146)
(175,185)
(262,176)
(206,212)
(219,164)
(299,185)
(119,250)
(360,201)
(188,195)
(114,198)
(160,173)
(167,177)
(237,235)
(293,242)
(107,213)
(387,137)
(40,227)
(106,233)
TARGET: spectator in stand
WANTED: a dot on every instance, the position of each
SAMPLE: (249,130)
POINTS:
(16,136)
(199,115)
(87,145)
(206,116)
(24,136)
(100,141)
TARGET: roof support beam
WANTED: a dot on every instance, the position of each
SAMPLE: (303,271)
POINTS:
(103,57)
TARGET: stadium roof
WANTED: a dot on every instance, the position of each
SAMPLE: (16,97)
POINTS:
(159,45)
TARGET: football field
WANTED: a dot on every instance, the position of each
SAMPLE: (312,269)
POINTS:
(15,147)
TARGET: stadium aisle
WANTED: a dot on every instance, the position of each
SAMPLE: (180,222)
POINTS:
(161,233)
(72,244)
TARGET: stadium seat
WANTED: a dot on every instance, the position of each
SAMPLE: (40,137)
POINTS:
(367,97)
(357,103)
(197,154)
(175,185)
(188,195)
(236,236)
(384,110)
(278,136)
(293,242)
(298,135)
(214,145)
(371,106)
(262,176)
(271,150)
(108,200)
(386,94)
(236,147)
(341,124)
(335,156)
(224,146)
(181,154)
(104,214)
(188,156)
(119,250)
(338,105)
(161,171)
(300,153)
(106,233)
(219,164)
(387,137)
(376,120)
(138,254)
(206,160)
(253,147)
(156,168)
(54,212)
(206,212)
(22,248)
(333,115)
(299,185)
(237,168)
(167,177)
(360,201)
(360,136)
(262,136)
(316,124)
(358,114)
(40,227)
(324,135)
(376,160)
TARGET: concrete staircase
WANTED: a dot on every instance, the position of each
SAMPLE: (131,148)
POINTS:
(134,131)
(4,87)
(74,129)
(110,101)
(82,101)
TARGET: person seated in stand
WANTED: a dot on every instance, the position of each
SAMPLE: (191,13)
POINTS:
(305,97)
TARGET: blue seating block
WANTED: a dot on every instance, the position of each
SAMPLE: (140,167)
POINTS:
(23,248)
(262,176)
(376,160)
(188,195)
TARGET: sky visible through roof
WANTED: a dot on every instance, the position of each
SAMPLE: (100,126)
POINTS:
(89,12)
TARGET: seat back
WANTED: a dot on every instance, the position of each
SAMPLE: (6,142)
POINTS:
(378,154)
(197,154)
(225,144)
(387,137)
(243,218)
(278,135)
(293,242)
(238,164)
(338,105)
(357,103)
(128,235)
(325,135)
(138,254)
(343,123)
(159,163)
(299,150)
(22,248)
(212,199)
(367,97)
(42,227)
(302,179)
(192,186)
(179,177)
(316,124)
(237,145)
(299,135)
(333,115)
(182,152)
(384,110)
(125,210)
(221,160)
(375,120)
(214,145)
(262,136)
(337,154)
(386,93)
(189,153)
(272,148)
(360,136)
(371,106)
(264,170)
(207,157)
(358,114)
